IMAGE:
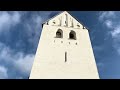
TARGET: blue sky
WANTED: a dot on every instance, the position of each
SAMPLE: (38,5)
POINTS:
(20,32)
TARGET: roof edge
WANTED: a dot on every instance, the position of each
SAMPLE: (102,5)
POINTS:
(71,15)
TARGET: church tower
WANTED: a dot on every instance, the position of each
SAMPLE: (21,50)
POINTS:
(64,51)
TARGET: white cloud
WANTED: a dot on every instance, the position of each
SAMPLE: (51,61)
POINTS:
(19,61)
(116,45)
(109,23)
(5,52)
(106,14)
(118,50)
(116,32)
(108,18)
(111,20)
(3,72)
(16,17)
(22,63)
(7,19)
(33,29)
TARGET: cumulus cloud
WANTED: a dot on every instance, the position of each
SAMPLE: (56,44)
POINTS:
(24,64)
(3,72)
(15,63)
(33,28)
(106,15)
(5,52)
(110,18)
(116,32)
(30,22)
(109,23)
(21,62)
(7,19)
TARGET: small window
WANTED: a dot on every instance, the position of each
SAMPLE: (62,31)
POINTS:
(65,56)
(59,33)
(54,22)
(72,35)
(78,25)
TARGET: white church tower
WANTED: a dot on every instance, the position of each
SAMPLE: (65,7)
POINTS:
(64,51)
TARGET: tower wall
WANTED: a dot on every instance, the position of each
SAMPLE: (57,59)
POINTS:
(51,62)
